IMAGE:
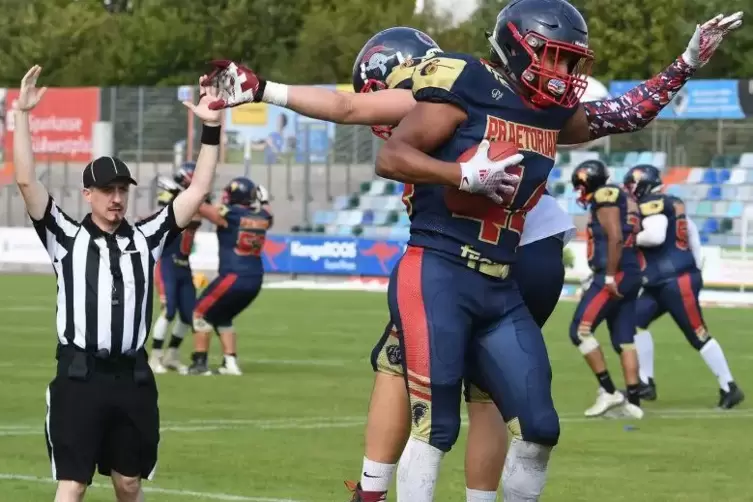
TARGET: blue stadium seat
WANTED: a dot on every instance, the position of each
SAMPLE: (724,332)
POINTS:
(368,218)
(380,218)
(714,193)
(735,209)
(403,220)
(400,233)
(322,217)
(710,226)
(555,174)
(398,188)
(341,202)
(704,238)
(675,190)
(724,175)
(709,176)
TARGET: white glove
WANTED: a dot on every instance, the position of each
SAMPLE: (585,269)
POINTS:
(262,195)
(708,36)
(488,177)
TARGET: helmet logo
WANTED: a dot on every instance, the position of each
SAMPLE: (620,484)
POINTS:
(556,86)
(377,60)
(583,175)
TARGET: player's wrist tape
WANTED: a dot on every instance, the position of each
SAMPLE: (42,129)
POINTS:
(609,279)
(272,93)
(210,135)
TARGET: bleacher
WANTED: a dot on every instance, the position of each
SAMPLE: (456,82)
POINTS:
(715,197)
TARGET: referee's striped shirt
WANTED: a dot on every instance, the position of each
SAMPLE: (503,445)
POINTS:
(105,281)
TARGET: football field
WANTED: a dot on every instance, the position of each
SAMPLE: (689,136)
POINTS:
(291,428)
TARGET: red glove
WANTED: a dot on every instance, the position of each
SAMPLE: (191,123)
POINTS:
(237,84)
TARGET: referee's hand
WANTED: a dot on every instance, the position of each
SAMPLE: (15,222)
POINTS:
(29,96)
(201,110)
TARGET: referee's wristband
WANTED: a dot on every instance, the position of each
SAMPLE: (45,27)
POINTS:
(210,135)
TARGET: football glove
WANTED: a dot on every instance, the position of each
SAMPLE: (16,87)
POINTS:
(237,84)
(488,177)
(708,36)
(169,185)
(262,195)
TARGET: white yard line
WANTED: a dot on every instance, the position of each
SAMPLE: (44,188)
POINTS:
(153,489)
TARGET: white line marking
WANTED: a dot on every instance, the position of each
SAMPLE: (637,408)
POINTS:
(154,489)
(314,423)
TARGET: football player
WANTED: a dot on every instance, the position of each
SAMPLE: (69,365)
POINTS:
(672,281)
(614,222)
(248,215)
(537,79)
(174,277)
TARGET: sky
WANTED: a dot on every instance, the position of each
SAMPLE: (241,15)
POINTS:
(459,9)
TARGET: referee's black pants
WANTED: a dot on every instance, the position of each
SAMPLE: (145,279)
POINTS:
(102,412)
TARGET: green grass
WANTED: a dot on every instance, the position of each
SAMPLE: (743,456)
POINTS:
(291,427)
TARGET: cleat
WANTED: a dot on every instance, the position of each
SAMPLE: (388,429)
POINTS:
(605,402)
(229,366)
(358,495)
(171,361)
(198,369)
(728,400)
(155,362)
(647,391)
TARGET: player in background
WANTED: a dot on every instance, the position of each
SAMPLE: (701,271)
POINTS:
(629,112)
(174,277)
(614,259)
(245,207)
(672,281)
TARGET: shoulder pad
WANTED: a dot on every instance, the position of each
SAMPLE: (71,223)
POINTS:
(165,197)
(445,79)
(652,206)
(606,195)
(402,76)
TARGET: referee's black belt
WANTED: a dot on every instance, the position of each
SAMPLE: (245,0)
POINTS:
(79,364)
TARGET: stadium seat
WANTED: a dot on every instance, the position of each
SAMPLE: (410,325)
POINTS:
(725,225)
(709,176)
(716,240)
(745,192)
(344,230)
(704,238)
(631,159)
(737,176)
(719,208)
(403,220)
(660,160)
(378,187)
(645,158)
(696,175)
(691,207)
(746,160)
(400,233)
(710,226)
(341,202)
(380,218)
(723,175)
(704,208)
(729,192)
(714,192)
(394,203)
(322,217)
(555,174)
(368,217)
(735,209)
(675,190)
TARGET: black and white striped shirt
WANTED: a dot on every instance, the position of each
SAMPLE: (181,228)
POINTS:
(105,281)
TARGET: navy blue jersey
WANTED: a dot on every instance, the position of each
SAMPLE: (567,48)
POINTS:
(613,196)
(471,225)
(178,250)
(242,241)
(673,257)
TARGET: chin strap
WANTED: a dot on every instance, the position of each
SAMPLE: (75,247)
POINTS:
(635,109)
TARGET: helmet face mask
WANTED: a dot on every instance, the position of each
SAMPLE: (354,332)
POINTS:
(542,47)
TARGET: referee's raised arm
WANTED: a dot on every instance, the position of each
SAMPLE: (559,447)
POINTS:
(167,223)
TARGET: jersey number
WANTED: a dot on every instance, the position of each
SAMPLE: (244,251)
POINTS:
(249,244)
(492,217)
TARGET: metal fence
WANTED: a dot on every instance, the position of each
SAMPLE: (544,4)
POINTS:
(151,128)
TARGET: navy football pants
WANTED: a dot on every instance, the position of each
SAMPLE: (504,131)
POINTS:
(478,316)
(177,291)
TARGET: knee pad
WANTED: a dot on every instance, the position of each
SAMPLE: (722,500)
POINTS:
(698,343)
(524,476)
(542,428)
(584,340)
(224,330)
(201,325)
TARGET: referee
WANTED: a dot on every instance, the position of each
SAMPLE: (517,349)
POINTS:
(102,407)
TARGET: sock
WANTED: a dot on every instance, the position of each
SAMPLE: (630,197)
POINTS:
(714,357)
(199,357)
(417,471)
(633,394)
(479,496)
(524,475)
(179,332)
(376,477)
(159,331)
(606,382)
(644,344)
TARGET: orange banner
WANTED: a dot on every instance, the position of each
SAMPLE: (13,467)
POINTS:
(61,124)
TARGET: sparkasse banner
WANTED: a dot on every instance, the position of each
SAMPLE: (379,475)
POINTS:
(61,124)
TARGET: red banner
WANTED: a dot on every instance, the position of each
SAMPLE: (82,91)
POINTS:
(61,124)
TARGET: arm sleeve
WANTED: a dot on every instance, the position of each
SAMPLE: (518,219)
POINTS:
(694,240)
(654,231)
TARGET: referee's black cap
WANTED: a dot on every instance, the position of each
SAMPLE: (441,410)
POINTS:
(103,171)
